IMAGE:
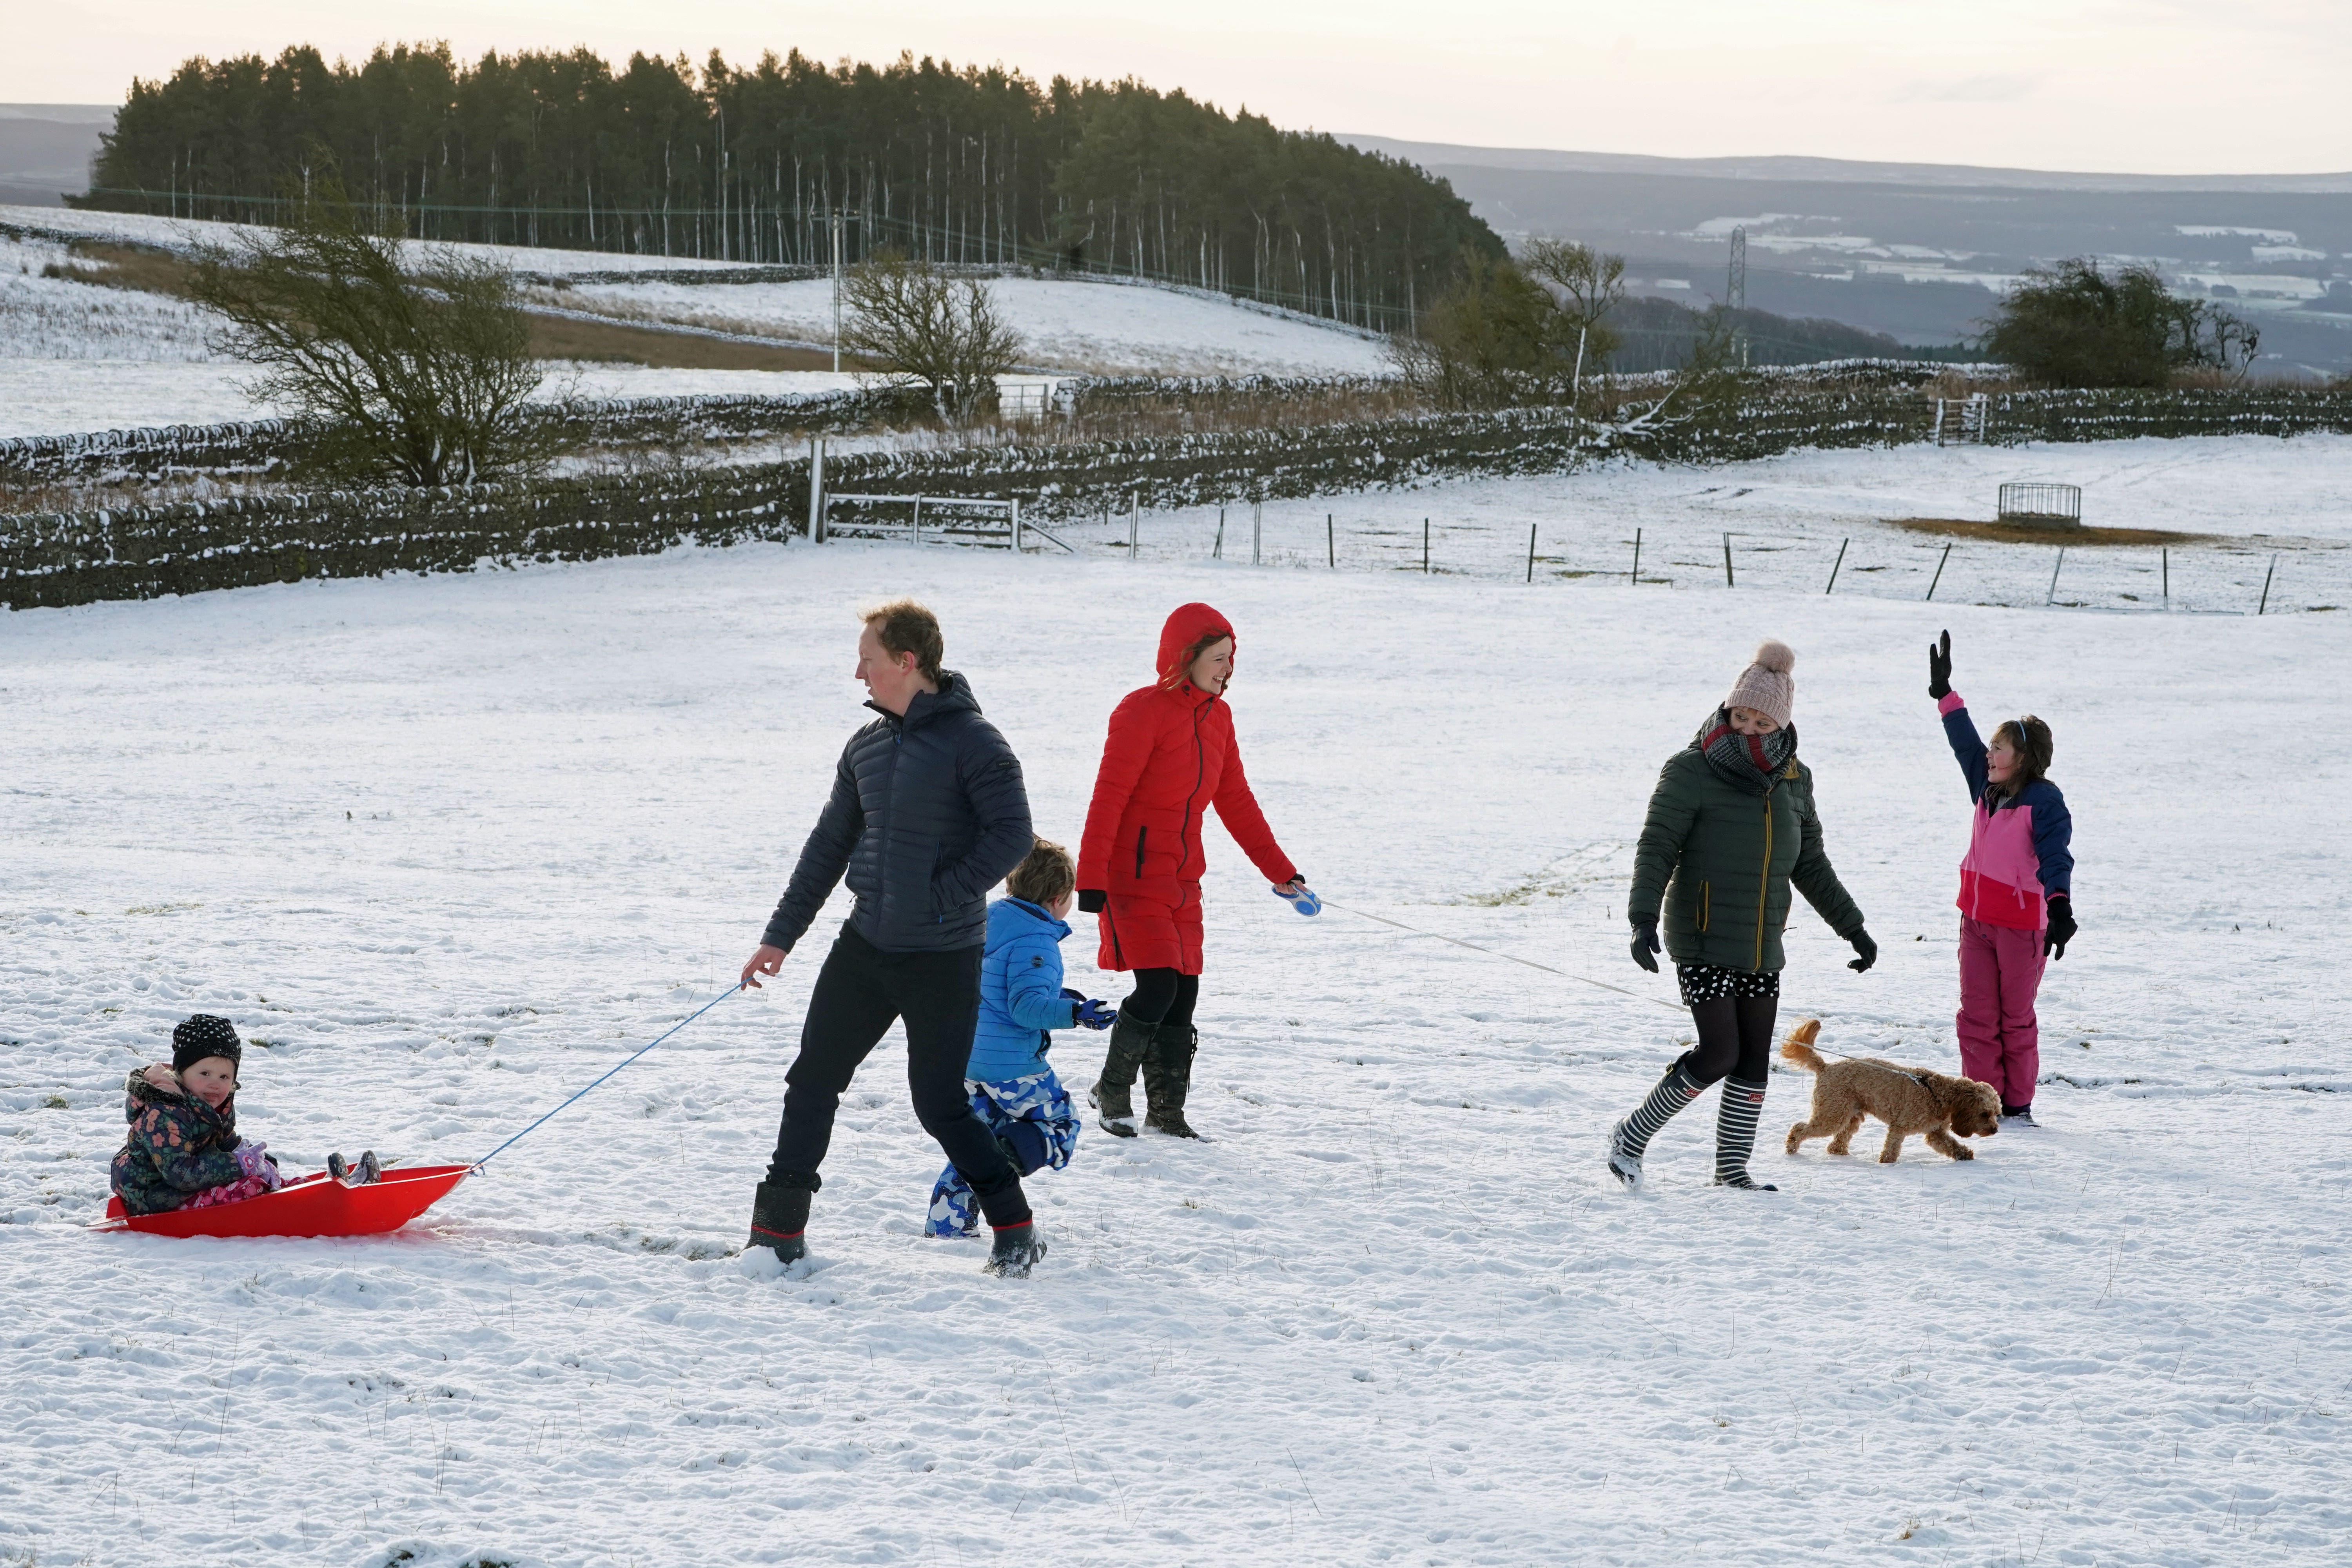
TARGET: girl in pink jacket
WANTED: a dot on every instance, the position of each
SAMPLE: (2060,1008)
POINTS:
(2016,881)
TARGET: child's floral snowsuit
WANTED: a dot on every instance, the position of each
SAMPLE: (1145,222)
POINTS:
(179,1151)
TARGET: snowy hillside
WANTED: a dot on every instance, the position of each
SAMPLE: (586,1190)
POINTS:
(74,356)
(446,848)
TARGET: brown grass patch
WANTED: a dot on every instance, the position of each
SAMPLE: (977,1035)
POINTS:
(565,337)
(123,266)
(2070,535)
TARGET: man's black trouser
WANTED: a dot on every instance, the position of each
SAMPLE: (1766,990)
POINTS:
(860,991)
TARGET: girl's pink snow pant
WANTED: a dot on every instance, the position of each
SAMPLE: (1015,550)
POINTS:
(2000,1043)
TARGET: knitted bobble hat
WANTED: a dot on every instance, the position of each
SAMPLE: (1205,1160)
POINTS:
(204,1035)
(1766,685)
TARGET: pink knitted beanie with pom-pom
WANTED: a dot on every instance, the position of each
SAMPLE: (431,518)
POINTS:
(1766,685)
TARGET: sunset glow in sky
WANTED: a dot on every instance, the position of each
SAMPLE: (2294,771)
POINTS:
(2145,86)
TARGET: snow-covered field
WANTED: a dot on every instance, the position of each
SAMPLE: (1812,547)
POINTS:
(451,847)
(1789,518)
(1103,328)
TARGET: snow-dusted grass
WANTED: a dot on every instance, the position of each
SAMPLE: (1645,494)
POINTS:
(184,233)
(60,397)
(452,846)
(54,318)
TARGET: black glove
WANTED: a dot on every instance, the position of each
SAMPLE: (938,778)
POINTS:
(2062,926)
(1867,948)
(1939,667)
(1090,900)
(1646,941)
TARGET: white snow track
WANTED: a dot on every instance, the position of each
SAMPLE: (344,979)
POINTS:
(445,847)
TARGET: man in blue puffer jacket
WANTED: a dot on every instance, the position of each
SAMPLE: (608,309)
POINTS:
(927,811)
(1021,1001)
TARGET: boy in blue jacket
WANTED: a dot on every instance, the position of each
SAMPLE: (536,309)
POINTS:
(1021,1001)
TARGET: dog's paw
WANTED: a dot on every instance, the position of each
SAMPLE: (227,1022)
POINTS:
(1961,1152)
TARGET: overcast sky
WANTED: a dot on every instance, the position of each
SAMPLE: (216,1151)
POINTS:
(2140,86)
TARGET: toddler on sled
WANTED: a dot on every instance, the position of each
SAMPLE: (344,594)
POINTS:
(1022,1000)
(183,1149)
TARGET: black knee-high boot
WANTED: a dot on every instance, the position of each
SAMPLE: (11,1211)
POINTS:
(1167,1079)
(1735,1134)
(1631,1136)
(1130,1041)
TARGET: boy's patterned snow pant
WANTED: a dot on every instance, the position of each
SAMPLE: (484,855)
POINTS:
(1036,1098)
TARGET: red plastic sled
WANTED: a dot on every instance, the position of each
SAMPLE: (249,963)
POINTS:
(313,1206)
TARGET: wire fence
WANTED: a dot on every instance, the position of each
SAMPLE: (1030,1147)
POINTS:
(1871,561)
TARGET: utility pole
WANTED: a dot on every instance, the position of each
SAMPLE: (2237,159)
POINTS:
(1734,292)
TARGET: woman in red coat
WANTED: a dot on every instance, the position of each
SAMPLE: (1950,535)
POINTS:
(1169,757)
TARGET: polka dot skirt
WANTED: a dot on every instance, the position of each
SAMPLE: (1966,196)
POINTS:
(1705,982)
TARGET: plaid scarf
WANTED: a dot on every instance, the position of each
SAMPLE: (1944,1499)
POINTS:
(1751,763)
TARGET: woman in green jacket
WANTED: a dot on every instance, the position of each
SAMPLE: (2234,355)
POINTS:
(1731,827)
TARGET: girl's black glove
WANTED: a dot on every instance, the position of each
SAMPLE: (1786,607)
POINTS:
(1865,946)
(1939,667)
(1646,941)
(1090,900)
(2061,926)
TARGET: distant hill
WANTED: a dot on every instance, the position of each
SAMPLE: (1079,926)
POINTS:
(1834,171)
(1922,251)
(46,150)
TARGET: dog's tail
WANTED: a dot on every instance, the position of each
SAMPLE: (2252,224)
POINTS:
(1798,1047)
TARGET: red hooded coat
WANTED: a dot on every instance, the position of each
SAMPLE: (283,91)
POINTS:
(1169,756)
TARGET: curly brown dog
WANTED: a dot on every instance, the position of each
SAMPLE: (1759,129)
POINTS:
(1909,1099)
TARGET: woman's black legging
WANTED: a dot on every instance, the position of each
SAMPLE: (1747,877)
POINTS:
(1162,997)
(1735,1040)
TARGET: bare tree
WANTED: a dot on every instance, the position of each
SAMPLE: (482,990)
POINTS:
(418,374)
(910,319)
(1590,285)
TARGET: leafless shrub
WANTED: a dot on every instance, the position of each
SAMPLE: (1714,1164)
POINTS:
(420,374)
(911,320)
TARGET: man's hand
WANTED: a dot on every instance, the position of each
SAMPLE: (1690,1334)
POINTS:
(767,960)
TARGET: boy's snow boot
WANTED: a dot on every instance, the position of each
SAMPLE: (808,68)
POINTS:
(780,1221)
(337,1169)
(1131,1040)
(1735,1135)
(1631,1137)
(1167,1079)
(1017,1246)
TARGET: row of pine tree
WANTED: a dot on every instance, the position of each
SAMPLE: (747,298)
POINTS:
(956,166)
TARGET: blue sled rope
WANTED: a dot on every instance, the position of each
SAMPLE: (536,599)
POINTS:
(641,1051)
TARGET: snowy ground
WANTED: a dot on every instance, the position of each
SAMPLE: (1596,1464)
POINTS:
(450,847)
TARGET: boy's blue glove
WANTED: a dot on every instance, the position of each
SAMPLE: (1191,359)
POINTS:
(1098,1015)
(1300,898)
